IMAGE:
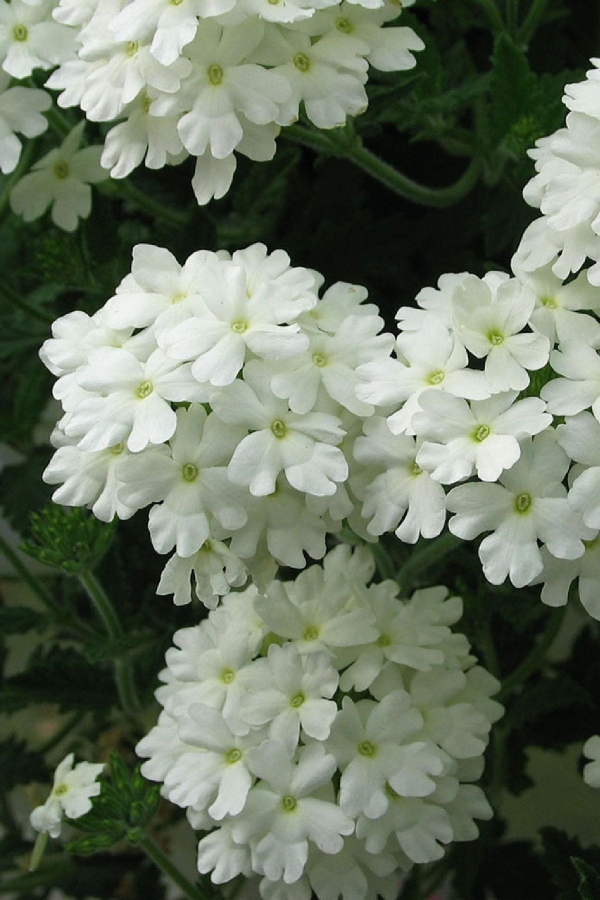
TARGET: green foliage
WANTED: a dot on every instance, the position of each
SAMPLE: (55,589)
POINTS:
(18,764)
(125,805)
(69,539)
(573,870)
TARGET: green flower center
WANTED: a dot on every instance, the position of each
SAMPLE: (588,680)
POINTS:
(175,2)
(289,803)
(523,502)
(131,48)
(344,26)
(302,62)
(319,360)
(239,326)
(279,429)
(227,676)
(416,469)
(146,103)
(215,74)
(436,377)
(145,389)
(232,756)
(178,297)
(495,338)
(20,32)
(60,790)
(189,472)
(383,640)
(481,433)
(297,700)
(117,449)
(366,748)
(61,169)
(549,302)
(311,633)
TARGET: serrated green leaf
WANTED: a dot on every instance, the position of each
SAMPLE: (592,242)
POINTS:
(589,879)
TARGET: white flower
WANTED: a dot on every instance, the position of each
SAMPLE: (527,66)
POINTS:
(491,314)
(61,179)
(528,504)
(420,827)
(29,39)
(214,569)
(579,389)
(591,770)
(71,794)
(558,575)
(21,111)
(557,305)
(484,436)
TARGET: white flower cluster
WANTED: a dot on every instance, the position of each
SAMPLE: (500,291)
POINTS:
(209,77)
(591,770)
(223,393)
(325,734)
(71,794)
(464,405)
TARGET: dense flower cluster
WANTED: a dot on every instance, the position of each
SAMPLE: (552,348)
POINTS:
(278,698)
(223,393)
(464,404)
(71,794)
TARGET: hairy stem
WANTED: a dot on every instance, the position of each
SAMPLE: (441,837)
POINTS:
(532,20)
(151,206)
(164,863)
(535,658)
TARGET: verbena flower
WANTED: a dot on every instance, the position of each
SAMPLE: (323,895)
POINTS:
(73,788)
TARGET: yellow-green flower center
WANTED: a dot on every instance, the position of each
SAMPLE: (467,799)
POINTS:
(366,748)
(297,700)
(279,429)
(319,359)
(481,432)
(289,803)
(344,26)
(232,756)
(117,449)
(436,377)
(60,790)
(416,469)
(145,389)
(495,338)
(61,169)
(302,62)
(383,640)
(215,74)
(131,48)
(239,326)
(227,676)
(549,302)
(311,633)
(523,502)
(20,32)
(190,472)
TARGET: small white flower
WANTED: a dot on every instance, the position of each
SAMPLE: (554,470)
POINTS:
(61,179)
(591,771)
(71,794)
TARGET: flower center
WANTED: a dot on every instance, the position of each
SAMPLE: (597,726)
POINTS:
(145,389)
(227,676)
(175,2)
(289,803)
(239,326)
(60,790)
(311,633)
(319,360)
(549,302)
(189,472)
(279,429)
(416,469)
(131,48)
(523,502)
(481,433)
(146,103)
(117,449)
(495,338)
(344,26)
(215,74)
(302,62)
(232,756)
(178,297)
(297,700)
(20,32)
(61,170)
(436,377)
(366,748)
(383,640)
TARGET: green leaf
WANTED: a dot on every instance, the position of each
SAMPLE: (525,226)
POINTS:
(73,540)
(511,89)
(19,765)
(19,619)
(559,854)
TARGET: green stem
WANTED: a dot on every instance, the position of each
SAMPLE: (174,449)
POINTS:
(385,567)
(164,863)
(512,17)
(385,173)
(50,875)
(532,20)
(59,124)
(26,307)
(420,561)
(106,611)
(535,658)
(151,206)
(29,579)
